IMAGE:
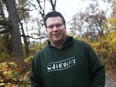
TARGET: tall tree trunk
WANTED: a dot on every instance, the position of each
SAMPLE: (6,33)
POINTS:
(15,32)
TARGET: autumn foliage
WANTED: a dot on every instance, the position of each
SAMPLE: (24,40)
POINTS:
(10,76)
(106,50)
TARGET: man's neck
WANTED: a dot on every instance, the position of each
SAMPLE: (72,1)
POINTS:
(58,44)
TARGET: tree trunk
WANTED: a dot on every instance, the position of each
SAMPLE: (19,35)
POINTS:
(15,33)
(25,40)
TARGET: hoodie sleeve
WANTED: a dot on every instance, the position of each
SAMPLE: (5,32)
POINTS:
(96,68)
(35,76)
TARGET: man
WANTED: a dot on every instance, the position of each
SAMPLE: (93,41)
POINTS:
(65,62)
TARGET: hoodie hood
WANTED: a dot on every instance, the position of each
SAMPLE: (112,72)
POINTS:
(68,42)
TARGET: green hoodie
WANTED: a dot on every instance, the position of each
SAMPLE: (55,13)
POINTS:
(74,65)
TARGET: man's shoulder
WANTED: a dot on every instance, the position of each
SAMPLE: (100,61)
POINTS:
(40,53)
(81,42)
(42,50)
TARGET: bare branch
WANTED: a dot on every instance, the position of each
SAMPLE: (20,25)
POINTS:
(4,31)
(42,11)
(53,4)
(34,37)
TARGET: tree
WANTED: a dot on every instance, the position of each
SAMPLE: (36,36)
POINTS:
(53,4)
(42,7)
(91,22)
(4,32)
(23,14)
(15,32)
(3,22)
(110,24)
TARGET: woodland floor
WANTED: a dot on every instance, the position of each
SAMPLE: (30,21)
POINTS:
(110,78)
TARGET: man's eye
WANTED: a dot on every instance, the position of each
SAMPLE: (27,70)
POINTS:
(58,25)
(51,26)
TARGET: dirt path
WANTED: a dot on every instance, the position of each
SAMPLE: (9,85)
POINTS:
(110,82)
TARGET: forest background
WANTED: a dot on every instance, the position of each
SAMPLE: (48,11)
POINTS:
(22,35)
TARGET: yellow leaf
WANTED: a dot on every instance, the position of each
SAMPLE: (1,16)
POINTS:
(5,72)
(12,64)
(1,80)
(2,84)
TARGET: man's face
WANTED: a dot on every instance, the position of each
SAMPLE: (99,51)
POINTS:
(55,28)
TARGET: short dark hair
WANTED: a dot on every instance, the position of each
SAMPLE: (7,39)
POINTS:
(53,14)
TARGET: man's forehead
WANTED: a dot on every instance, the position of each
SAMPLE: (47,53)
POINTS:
(54,20)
